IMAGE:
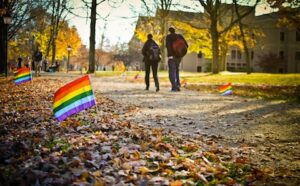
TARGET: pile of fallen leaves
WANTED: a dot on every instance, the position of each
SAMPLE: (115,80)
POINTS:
(99,148)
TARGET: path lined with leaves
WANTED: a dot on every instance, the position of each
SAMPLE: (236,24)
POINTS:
(117,145)
(270,129)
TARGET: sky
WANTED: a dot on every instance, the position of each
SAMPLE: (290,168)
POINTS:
(120,23)
(121,17)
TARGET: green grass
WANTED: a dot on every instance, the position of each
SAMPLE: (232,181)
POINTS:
(242,78)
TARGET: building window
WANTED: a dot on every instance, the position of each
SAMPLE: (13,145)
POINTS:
(199,69)
(252,55)
(297,56)
(281,36)
(239,54)
(297,36)
(233,54)
(281,55)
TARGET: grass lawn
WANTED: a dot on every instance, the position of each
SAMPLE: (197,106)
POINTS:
(242,78)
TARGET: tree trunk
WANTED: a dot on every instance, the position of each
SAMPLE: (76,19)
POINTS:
(92,37)
(223,56)
(164,61)
(2,62)
(215,46)
(246,50)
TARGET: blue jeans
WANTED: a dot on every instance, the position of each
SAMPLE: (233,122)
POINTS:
(174,72)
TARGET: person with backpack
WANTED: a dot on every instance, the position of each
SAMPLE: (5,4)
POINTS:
(176,48)
(151,53)
(38,56)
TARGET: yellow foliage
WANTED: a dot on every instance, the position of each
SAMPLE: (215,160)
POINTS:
(197,38)
(23,46)
(67,37)
(151,26)
(120,66)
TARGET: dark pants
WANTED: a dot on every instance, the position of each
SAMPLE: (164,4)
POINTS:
(174,72)
(154,66)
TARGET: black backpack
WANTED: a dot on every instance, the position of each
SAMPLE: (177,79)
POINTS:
(179,47)
(153,53)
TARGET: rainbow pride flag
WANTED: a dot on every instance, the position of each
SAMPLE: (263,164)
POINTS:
(22,75)
(183,83)
(225,89)
(136,76)
(72,98)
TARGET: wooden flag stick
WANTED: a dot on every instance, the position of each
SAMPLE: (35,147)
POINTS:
(97,114)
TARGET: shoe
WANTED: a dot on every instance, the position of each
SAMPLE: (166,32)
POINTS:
(178,89)
(157,89)
(147,88)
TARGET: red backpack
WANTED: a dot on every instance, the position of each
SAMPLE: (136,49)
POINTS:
(179,47)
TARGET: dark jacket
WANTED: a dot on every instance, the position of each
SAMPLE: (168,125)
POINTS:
(38,56)
(145,50)
(169,42)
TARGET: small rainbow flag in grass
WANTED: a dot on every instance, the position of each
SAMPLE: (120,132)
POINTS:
(22,75)
(72,98)
(225,89)
(183,83)
(137,76)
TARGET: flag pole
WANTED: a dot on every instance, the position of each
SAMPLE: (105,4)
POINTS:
(30,74)
(97,114)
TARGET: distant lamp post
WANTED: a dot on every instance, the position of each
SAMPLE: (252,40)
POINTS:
(69,51)
(7,21)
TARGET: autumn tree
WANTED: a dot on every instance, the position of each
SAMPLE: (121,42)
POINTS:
(216,12)
(289,12)
(199,39)
(20,13)
(58,15)
(67,36)
(81,59)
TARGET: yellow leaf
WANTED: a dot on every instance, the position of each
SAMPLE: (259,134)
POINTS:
(144,170)
(176,183)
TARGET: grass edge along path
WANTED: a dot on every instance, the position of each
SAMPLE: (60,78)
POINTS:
(267,86)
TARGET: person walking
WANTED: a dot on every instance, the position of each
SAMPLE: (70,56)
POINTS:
(151,53)
(176,48)
(19,62)
(38,57)
(27,62)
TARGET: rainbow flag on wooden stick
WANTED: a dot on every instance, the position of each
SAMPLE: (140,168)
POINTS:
(225,89)
(72,98)
(22,75)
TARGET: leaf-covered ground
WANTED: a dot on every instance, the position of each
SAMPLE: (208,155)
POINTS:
(99,148)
